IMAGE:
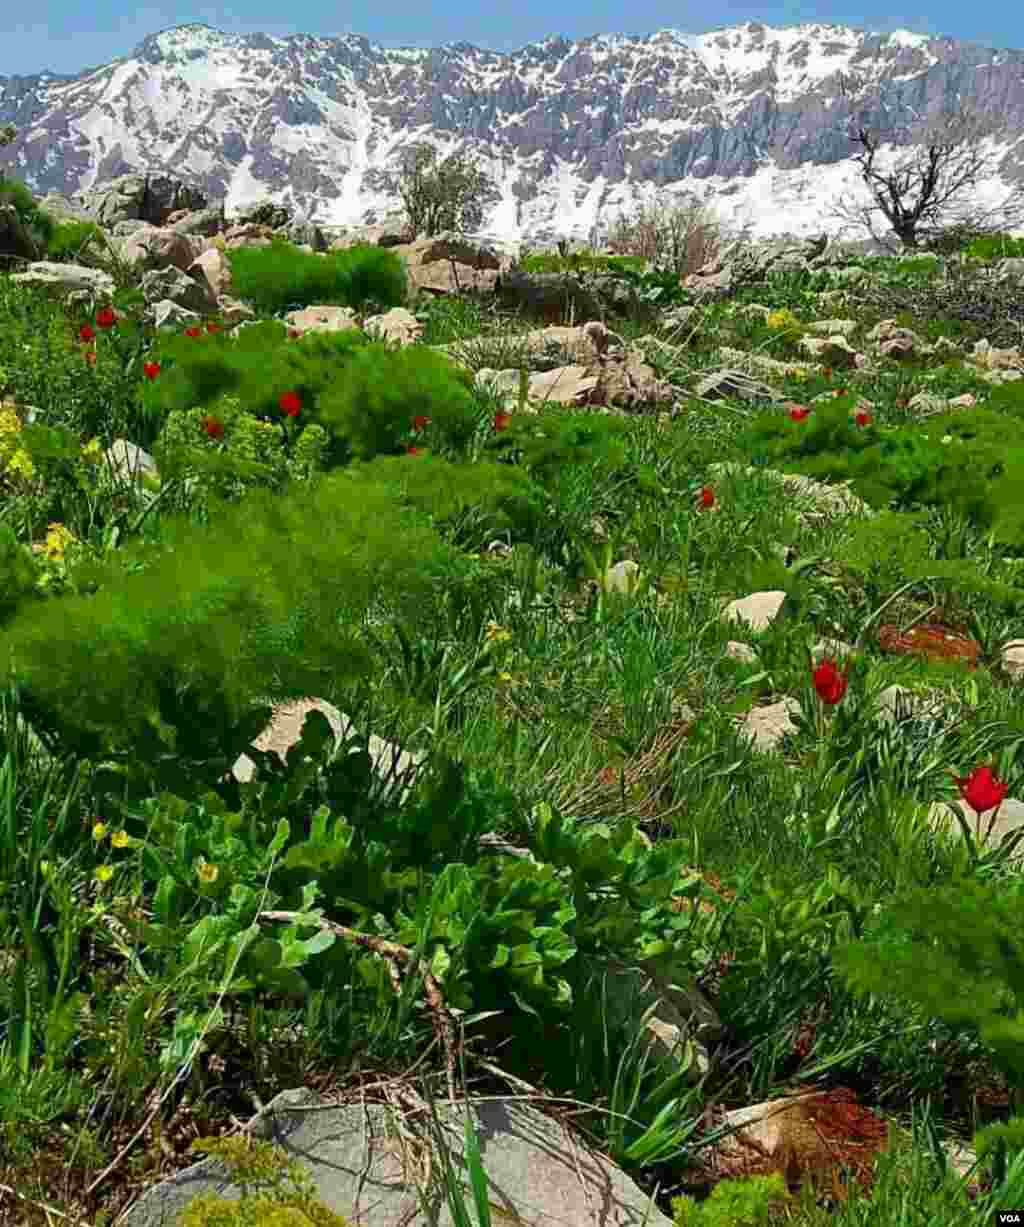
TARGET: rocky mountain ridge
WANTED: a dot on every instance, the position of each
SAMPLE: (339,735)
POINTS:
(570,133)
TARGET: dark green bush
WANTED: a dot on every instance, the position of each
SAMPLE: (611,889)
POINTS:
(384,389)
(994,247)
(69,239)
(18,573)
(282,275)
(503,499)
(258,365)
(904,466)
(39,224)
(262,598)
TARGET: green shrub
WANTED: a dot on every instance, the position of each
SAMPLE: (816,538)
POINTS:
(249,451)
(955,951)
(255,367)
(733,1203)
(18,572)
(70,239)
(39,224)
(994,247)
(888,550)
(282,275)
(259,598)
(976,471)
(384,389)
(584,261)
(501,499)
(1006,398)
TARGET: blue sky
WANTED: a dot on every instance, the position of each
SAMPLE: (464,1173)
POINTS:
(67,36)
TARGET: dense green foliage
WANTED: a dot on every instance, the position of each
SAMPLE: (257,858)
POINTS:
(733,1203)
(994,247)
(39,225)
(208,614)
(973,462)
(274,277)
(70,238)
(549,262)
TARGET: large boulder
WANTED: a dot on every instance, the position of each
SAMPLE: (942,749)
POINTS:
(149,198)
(547,296)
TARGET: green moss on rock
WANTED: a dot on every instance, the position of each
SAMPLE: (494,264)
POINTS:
(259,1166)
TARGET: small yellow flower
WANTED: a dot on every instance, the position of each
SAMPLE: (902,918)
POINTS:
(21,462)
(497,634)
(99,830)
(504,677)
(207,873)
(91,451)
(10,424)
(104,873)
(781,319)
(120,839)
(57,540)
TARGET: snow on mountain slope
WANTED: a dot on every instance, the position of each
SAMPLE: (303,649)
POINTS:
(748,119)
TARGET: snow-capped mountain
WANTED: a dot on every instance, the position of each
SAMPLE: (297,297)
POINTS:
(748,119)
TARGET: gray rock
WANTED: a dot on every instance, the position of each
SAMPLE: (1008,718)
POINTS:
(535,1167)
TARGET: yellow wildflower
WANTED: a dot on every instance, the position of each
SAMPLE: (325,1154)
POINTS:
(782,319)
(57,540)
(207,873)
(99,830)
(21,462)
(104,873)
(10,425)
(120,839)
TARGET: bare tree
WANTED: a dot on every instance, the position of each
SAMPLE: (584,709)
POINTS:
(917,197)
(445,197)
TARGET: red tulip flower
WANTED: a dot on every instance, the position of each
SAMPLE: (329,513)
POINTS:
(981,789)
(707,497)
(829,683)
(799,413)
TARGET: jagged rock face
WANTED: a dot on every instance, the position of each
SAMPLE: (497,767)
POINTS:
(632,119)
